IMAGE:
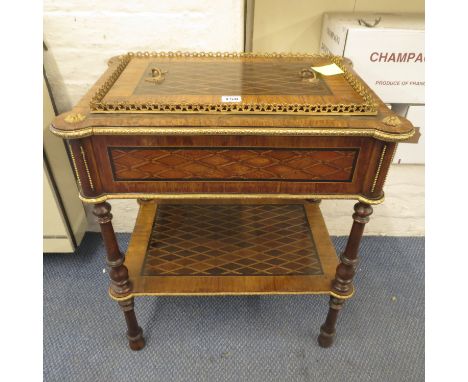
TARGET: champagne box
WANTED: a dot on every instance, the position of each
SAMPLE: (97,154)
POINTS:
(387,50)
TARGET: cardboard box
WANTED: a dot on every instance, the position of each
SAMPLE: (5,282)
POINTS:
(388,56)
(408,153)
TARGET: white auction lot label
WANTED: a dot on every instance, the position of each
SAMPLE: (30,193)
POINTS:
(231,99)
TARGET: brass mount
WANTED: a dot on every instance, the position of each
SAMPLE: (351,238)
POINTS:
(157,75)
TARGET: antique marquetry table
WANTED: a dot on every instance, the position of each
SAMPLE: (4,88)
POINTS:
(229,156)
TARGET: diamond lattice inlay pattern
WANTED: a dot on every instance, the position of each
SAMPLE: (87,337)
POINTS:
(153,164)
(231,240)
(233,78)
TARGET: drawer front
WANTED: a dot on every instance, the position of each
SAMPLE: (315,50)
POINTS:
(159,164)
(220,165)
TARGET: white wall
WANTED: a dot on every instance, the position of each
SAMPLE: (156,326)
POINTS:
(401,214)
(83,34)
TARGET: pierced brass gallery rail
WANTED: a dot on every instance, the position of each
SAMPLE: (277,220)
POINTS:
(98,105)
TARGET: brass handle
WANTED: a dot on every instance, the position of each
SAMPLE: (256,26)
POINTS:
(309,75)
(157,75)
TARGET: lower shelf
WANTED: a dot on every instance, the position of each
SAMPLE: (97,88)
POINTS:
(230,249)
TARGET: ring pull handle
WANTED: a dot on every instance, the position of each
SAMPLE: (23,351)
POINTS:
(309,75)
(157,75)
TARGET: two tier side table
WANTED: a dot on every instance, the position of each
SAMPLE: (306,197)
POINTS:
(229,156)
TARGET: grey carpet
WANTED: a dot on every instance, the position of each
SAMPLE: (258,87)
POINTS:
(252,338)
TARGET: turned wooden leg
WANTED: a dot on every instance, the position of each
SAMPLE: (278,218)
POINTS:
(343,283)
(134,333)
(118,273)
(327,330)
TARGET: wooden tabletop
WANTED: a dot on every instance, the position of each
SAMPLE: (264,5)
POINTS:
(275,99)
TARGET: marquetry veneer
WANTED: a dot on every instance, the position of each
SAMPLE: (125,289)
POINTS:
(230,249)
(229,155)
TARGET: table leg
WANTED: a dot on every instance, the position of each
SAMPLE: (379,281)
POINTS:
(134,333)
(343,283)
(118,273)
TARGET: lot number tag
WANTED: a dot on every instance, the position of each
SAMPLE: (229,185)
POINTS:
(231,99)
